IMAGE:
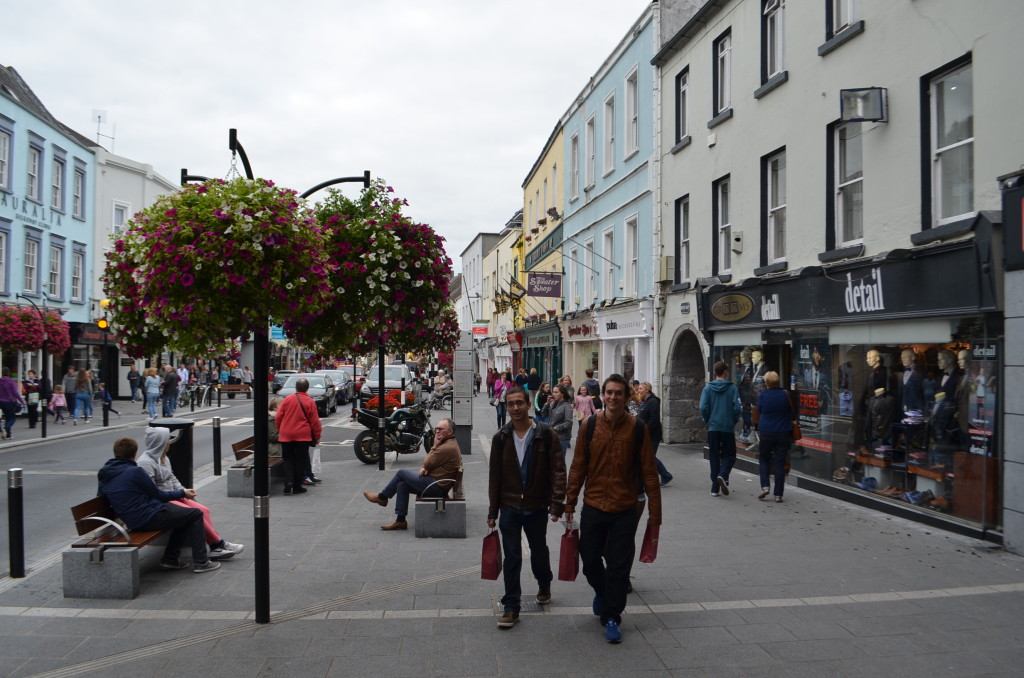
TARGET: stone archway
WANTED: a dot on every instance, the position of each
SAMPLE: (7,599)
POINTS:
(682,386)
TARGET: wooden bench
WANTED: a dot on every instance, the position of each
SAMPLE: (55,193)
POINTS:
(240,482)
(232,389)
(104,563)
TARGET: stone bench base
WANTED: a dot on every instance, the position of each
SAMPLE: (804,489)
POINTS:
(115,576)
(434,523)
(240,479)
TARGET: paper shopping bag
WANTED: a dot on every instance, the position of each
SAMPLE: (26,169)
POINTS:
(490,557)
(649,549)
(569,556)
(314,460)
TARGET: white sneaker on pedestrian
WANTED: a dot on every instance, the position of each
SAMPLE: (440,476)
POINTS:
(234,548)
(221,554)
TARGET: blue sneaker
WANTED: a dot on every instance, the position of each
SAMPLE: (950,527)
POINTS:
(597,605)
(612,633)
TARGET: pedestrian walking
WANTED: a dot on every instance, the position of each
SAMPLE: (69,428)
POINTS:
(526,484)
(584,405)
(134,381)
(298,429)
(593,388)
(10,400)
(612,471)
(491,378)
(30,392)
(151,387)
(68,382)
(720,409)
(558,412)
(540,399)
(83,398)
(169,391)
(650,415)
(775,433)
(58,405)
(107,399)
(501,387)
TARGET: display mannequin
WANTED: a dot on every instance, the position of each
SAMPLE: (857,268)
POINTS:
(966,387)
(944,428)
(760,369)
(745,383)
(949,377)
(912,390)
(878,422)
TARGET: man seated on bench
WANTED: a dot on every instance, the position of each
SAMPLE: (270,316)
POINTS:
(143,506)
(442,463)
(154,462)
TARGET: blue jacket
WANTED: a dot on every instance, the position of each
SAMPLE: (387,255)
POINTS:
(720,406)
(775,412)
(132,493)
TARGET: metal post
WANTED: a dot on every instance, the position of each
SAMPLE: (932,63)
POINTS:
(216,446)
(218,395)
(381,424)
(15,523)
(106,414)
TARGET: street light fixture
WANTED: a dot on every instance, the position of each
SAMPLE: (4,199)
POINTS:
(47,386)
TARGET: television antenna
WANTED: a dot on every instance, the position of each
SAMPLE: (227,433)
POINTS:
(100,118)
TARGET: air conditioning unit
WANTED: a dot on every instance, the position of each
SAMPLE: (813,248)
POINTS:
(666,269)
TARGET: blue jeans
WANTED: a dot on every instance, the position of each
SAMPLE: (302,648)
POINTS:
(407,482)
(774,447)
(151,399)
(565,445)
(722,455)
(170,404)
(662,471)
(500,407)
(83,406)
(512,525)
(10,410)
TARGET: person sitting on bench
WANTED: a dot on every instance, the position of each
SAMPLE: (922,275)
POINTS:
(442,463)
(154,462)
(143,506)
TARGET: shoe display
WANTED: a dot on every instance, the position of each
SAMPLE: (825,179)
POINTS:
(208,566)
(173,564)
(723,486)
(544,595)
(375,498)
(612,633)
(397,525)
(508,619)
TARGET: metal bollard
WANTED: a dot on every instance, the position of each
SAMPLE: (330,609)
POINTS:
(106,415)
(218,396)
(15,523)
(192,401)
(216,446)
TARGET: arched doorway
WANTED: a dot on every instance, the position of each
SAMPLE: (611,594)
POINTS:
(682,386)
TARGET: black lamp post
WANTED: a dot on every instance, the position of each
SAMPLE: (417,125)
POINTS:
(261,430)
(42,401)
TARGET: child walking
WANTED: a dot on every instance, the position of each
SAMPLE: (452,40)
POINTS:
(107,399)
(58,404)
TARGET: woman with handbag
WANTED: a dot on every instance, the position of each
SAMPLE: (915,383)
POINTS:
(584,405)
(501,387)
(559,413)
(775,429)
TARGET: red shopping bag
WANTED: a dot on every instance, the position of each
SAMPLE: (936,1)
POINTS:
(569,556)
(490,558)
(649,549)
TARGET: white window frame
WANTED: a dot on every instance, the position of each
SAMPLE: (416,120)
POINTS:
(955,147)
(847,186)
(844,13)
(57,185)
(683,240)
(574,171)
(632,112)
(588,250)
(56,270)
(724,226)
(31,268)
(631,257)
(775,202)
(607,250)
(116,227)
(34,172)
(723,66)
(574,273)
(682,102)
(554,187)
(78,195)
(609,135)
(775,36)
(590,151)
(6,141)
(544,205)
(77,268)
(4,258)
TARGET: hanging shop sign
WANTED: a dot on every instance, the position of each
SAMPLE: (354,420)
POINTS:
(544,284)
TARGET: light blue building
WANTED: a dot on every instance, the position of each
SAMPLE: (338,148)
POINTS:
(608,226)
(47,184)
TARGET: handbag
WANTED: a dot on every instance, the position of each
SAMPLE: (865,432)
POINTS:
(797,435)
(569,554)
(649,548)
(494,402)
(33,398)
(490,557)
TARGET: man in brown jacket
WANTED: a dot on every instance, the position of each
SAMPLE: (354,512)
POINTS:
(615,473)
(442,463)
(526,484)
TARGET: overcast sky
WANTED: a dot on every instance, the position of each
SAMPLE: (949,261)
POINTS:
(450,101)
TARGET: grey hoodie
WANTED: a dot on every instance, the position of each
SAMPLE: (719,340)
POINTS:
(150,462)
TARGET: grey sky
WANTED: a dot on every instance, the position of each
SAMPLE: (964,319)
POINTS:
(451,101)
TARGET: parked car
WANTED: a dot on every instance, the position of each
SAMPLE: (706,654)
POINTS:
(344,387)
(393,376)
(321,390)
(356,372)
(280,377)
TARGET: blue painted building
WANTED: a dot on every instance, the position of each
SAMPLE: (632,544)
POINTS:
(47,184)
(608,225)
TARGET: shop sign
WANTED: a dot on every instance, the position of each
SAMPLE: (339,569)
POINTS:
(732,308)
(626,327)
(481,328)
(544,284)
(581,330)
(29,212)
(540,340)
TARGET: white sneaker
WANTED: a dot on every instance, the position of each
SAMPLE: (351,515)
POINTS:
(234,548)
(208,566)
(221,554)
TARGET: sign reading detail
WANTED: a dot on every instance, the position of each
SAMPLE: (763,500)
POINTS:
(732,308)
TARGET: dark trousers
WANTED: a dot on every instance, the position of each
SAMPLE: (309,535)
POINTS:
(772,452)
(721,455)
(296,460)
(186,525)
(10,410)
(407,482)
(606,549)
(512,525)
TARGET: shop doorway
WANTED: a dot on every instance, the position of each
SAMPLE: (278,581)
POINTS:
(681,387)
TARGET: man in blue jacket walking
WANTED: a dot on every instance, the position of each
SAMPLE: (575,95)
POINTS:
(720,409)
(143,506)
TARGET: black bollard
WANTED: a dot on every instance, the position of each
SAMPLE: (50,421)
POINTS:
(218,396)
(216,446)
(15,523)
(106,414)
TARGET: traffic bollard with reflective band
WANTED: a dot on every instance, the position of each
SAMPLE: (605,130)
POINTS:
(15,523)
(216,446)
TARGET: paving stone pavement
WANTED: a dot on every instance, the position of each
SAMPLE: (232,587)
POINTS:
(808,587)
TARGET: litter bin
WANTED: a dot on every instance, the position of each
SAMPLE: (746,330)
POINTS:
(180,451)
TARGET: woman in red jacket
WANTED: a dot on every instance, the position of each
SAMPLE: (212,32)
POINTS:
(298,429)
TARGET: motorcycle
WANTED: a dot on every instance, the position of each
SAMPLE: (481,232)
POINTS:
(405,429)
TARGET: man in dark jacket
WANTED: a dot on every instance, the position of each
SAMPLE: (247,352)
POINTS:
(169,390)
(143,506)
(526,484)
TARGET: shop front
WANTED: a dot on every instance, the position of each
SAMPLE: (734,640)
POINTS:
(892,367)
(542,349)
(626,333)
(95,349)
(580,345)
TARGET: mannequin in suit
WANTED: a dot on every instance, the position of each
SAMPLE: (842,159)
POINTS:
(745,383)
(760,369)
(878,422)
(912,388)
(949,377)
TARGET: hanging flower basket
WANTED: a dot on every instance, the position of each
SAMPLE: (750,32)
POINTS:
(21,329)
(213,262)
